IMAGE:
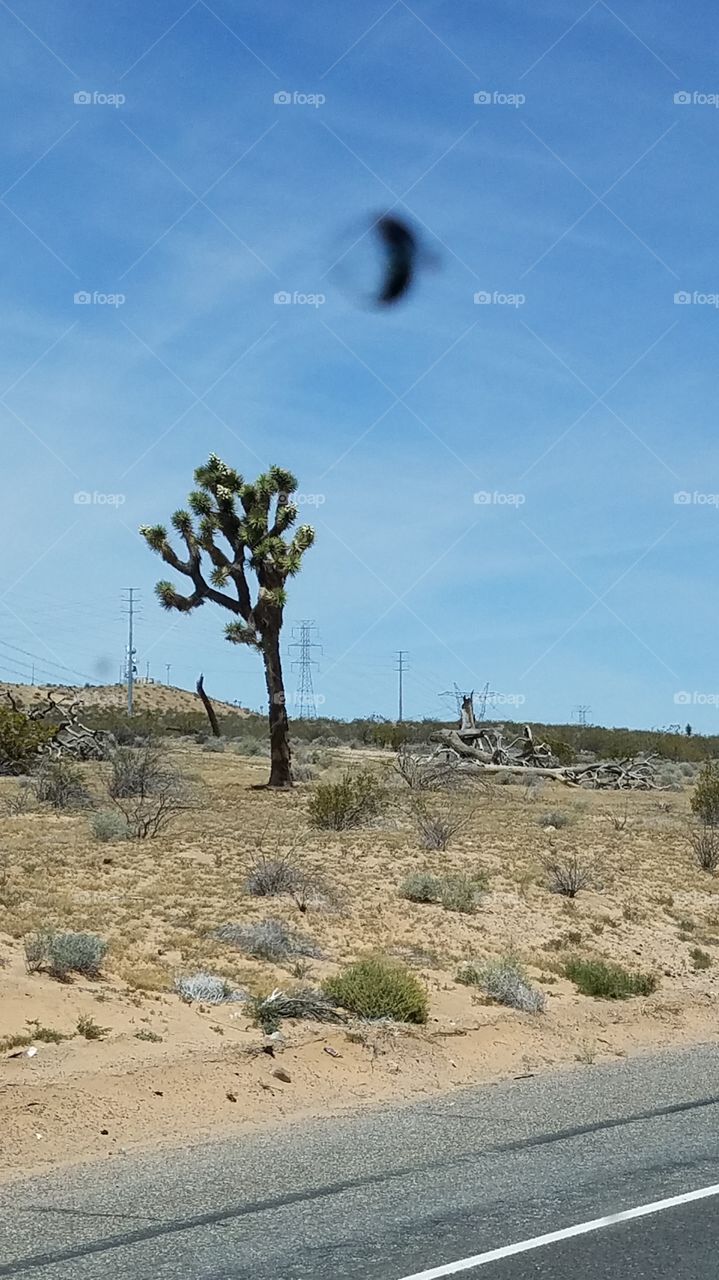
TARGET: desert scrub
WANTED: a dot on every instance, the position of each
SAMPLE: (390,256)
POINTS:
(506,982)
(61,785)
(62,954)
(437,827)
(704,841)
(20,740)
(566,876)
(555,818)
(377,987)
(705,797)
(608,981)
(206,988)
(459,893)
(303,1002)
(90,1029)
(358,796)
(136,771)
(107,825)
(420,886)
(268,940)
(269,877)
(700,959)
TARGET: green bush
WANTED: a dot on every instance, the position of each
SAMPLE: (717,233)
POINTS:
(355,798)
(608,981)
(61,954)
(420,886)
(106,825)
(20,740)
(705,797)
(377,987)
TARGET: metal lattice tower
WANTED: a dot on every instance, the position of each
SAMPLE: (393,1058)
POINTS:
(305,696)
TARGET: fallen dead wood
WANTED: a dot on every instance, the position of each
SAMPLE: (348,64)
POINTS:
(486,747)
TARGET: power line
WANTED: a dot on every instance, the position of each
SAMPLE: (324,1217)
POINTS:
(44,663)
(306,708)
(130,668)
(402,654)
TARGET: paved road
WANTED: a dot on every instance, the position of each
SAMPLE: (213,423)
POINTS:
(388,1195)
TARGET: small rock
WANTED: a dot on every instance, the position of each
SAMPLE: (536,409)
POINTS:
(104,1132)
(158,1093)
(279,1074)
(332,1052)
(231,1097)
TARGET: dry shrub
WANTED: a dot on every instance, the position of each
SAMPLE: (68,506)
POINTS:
(567,875)
(438,826)
(303,1002)
(705,797)
(704,841)
(422,773)
(206,988)
(268,940)
(61,784)
(506,982)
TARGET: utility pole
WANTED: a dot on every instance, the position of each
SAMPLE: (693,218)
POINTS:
(130,670)
(306,709)
(402,655)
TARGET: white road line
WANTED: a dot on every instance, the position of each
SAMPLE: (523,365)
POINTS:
(553,1237)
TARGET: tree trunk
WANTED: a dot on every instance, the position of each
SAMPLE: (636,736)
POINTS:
(200,686)
(280,767)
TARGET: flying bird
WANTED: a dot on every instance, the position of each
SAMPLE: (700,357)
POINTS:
(400,248)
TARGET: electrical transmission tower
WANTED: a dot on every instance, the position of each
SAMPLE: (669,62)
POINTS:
(402,656)
(306,708)
(130,602)
(581,711)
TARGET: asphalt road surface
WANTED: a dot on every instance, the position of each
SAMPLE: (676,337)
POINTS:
(470,1185)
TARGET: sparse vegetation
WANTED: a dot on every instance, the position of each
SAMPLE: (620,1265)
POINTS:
(62,954)
(377,987)
(357,797)
(424,773)
(206,988)
(90,1029)
(20,740)
(705,797)
(269,877)
(61,784)
(268,940)
(704,841)
(555,818)
(438,826)
(267,1012)
(505,982)
(109,825)
(566,875)
(608,981)
(700,959)
(459,893)
(420,886)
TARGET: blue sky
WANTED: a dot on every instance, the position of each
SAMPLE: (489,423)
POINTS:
(581,190)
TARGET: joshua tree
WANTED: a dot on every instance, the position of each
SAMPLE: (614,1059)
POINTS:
(251,520)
